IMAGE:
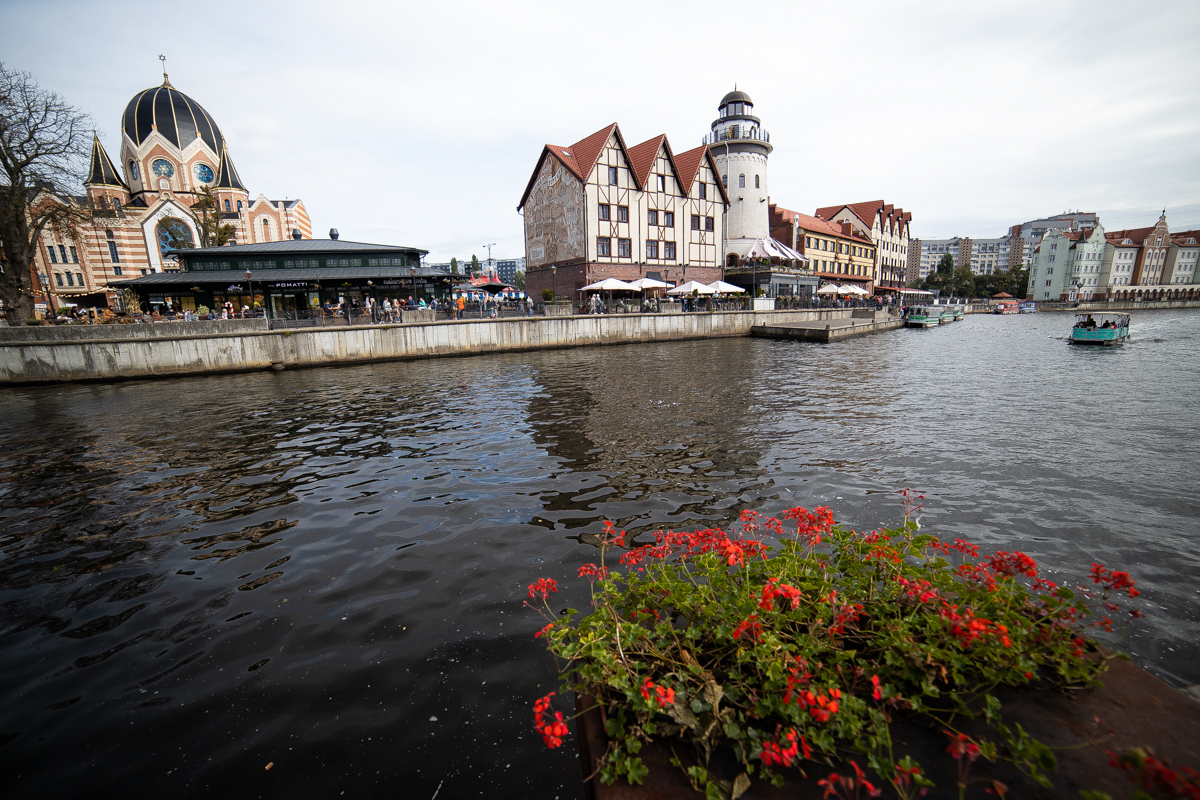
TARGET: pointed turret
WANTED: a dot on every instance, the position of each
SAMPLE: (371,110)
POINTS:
(227,177)
(102,171)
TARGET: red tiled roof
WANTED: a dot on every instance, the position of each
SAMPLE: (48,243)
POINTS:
(689,166)
(1137,235)
(816,224)
(587,150)
(866,212)
(1183,236)
(641,157)
(564,155)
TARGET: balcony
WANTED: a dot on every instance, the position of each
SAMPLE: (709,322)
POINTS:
(737,133)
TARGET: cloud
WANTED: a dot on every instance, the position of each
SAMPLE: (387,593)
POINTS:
(420,123)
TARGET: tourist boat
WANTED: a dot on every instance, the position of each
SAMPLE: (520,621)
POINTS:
(1105,329)
(923,317)
(959,313)
(1008,307)
(1028,307)
(946,316)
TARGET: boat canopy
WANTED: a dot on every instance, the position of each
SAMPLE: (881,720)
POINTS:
(1098,319)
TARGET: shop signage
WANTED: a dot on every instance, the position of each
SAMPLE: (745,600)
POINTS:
(290,285)
(234,287)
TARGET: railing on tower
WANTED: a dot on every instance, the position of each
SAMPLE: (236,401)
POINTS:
(735,133)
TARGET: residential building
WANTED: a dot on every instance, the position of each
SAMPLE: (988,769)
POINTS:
(507,268)
(887,226)
(140,215)
(1068,265)
(912,271)
(836,252)
(1181,259)
(932,251)
(1120,254)
(1026,236)
(599,209)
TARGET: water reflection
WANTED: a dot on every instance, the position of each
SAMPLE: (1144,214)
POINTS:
(324,569)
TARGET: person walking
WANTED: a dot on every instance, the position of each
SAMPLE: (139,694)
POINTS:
(462,304)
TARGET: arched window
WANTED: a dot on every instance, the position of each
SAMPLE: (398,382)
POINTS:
(725,181)
(58,278)
(756,186)
(112,248)
(266,229)
(116,204)
(227,205)
(741,181)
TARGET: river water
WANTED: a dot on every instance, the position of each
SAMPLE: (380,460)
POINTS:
(323,570)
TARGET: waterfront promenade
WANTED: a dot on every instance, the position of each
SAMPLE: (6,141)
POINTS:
(166,349)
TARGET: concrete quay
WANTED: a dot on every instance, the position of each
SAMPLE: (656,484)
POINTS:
(117,352)
(826,331)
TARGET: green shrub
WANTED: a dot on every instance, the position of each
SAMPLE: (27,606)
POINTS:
(796,640)
(35,322)
(547,295)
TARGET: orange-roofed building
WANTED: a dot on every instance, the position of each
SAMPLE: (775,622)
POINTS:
(887,226)
(836,252)
(601,209)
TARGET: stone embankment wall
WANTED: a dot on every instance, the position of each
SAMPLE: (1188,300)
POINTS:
(113,352)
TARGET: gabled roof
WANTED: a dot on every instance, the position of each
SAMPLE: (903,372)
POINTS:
(102,171)
(688,165)
(227,177)
(816,224)
(580,158)
(1136,235)
(641,157)
(1182,237)
(866,212)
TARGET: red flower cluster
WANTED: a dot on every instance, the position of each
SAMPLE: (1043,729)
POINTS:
(661,695)
(553,730)
(538,635)
(1010,564)
(820,707)
(968,628)
(961,747)
(749,625)
(783,750)
(543,587)
(1112,580)
(966,548)
(688,545)
(593,572)
(775,589)
(852,785)
(922,590)
(1153,775)
(878,694)
(810,525)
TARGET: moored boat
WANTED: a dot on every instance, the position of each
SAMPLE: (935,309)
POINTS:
(1007,307)
(923,317)
(1029,307)
(946,315)
(959,313)
(1103,329)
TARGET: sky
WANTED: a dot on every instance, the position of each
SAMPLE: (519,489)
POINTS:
(420,123)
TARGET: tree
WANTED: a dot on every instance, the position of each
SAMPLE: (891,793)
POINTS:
(45,144)
(453,266)
(474,264)
(963,282)
(946,265)
(519,281)
(206,213)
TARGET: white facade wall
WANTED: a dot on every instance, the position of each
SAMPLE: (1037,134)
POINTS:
(748,215)
(1117,267)
(1087,260)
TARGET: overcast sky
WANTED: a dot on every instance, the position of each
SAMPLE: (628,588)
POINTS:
(420,123)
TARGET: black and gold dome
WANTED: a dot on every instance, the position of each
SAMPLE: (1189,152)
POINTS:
(179,118)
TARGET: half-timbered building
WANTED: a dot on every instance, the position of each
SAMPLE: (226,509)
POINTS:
(600,209)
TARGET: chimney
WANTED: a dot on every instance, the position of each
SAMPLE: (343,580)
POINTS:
(847,229)
(296,234)
(333,234)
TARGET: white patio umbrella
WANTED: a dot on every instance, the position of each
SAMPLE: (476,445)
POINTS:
(647,283)
(725,288)
(692,286)
(829,288)
(848,290)
(611,285)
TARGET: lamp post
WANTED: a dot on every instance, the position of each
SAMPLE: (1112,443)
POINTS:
(250,283)
(554,282)
(412,271)
(489,261)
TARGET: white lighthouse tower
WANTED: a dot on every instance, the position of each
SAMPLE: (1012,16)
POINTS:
(740,147)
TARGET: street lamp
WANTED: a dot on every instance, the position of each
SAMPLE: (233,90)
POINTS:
(250,283)
(413,272)
(489,261)
(554,281)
